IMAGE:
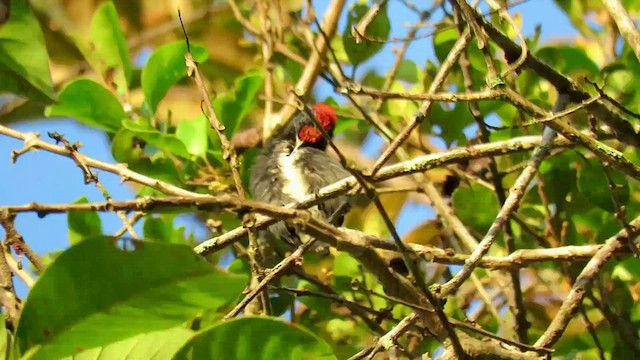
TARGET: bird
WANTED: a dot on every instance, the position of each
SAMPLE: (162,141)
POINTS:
(293,164)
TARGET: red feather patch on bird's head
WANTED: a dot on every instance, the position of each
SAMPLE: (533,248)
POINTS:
(326,115)
(309,134)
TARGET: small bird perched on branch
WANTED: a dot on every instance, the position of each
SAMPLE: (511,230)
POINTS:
(293,164)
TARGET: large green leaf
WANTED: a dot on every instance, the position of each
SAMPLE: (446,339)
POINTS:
(24,62)
(90,103)
(232,109)
(104,290)
(376,34)
(166,67)
(108,52)
(255,338)
(156,345)
(83,224)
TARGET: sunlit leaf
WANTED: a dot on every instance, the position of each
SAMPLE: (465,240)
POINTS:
(193,134)
(428,233)
(24,62)
(377,32)
(248,337)
(5,341)
(156,345)
(105,283)
(569,60)
(108,51)
(162,141)
(83,224)
(233,108)
(165,67)
(90,103)
(443,41)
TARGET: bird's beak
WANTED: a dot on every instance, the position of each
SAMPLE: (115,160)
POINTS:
(299,143)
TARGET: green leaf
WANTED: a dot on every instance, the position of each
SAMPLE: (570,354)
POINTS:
(104,290)
(165,142)
(476,206)
(569,60)
(166,67)
(281,303)
(90,103)
(157,228)
(24,62)
(320,304)
(409,71)
(108,51)
(83,224)
(255,338)
(451,123)
(443,42)
(378,30)
(239,266)
(232,109)
(47,259)
(345,123)
(247,161)
(627,270)
(345,265)
(158,168)
(161,228)
(123,147)
(156,345)
(559,173)
(340,329)
(5,340)
(193,133)
(594,185)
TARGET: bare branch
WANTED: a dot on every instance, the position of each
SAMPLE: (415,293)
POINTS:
(578,291)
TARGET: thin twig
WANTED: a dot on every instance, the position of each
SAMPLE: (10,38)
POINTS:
(14,240)
(270,276)
(229,154)
(437,82)
(577,292)
(510,205)
(33,142)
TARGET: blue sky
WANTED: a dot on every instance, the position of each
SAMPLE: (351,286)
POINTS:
(47,178)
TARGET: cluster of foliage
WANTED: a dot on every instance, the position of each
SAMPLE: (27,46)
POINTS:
(105,297)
